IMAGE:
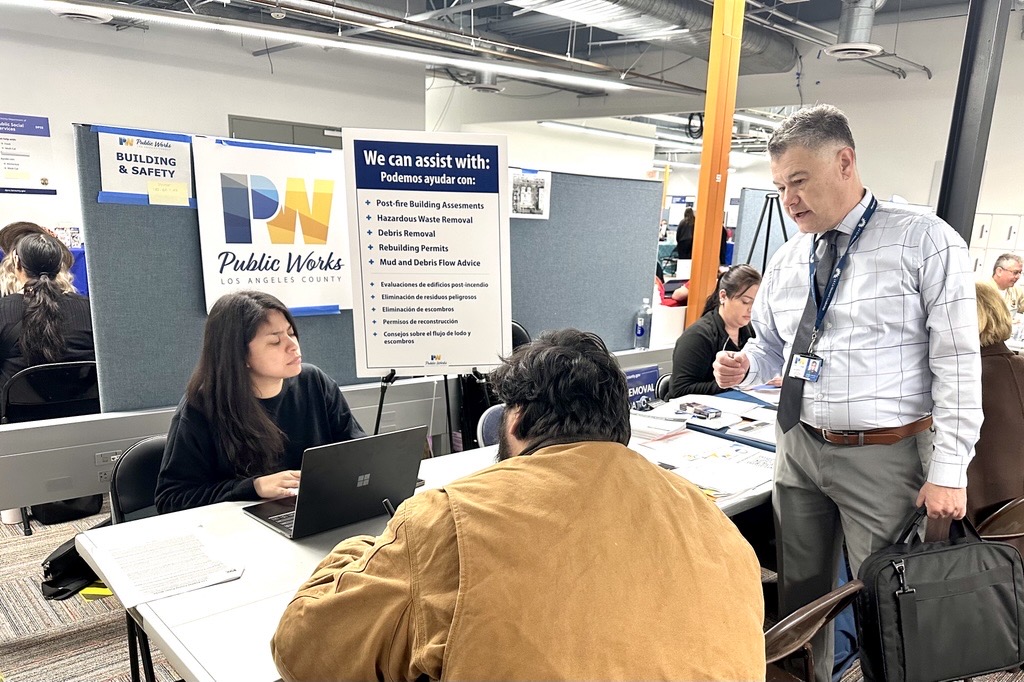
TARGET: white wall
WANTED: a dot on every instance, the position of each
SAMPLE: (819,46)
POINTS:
(178,80)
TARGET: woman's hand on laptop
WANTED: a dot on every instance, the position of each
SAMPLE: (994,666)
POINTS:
(281,484)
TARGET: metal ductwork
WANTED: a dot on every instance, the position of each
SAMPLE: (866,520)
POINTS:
(855,24)
(762,51)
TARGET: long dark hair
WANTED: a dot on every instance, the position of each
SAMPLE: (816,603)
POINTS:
(221,384)
(685,228)
(735,281)
(42,338)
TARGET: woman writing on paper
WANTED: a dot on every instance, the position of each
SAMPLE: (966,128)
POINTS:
(250,410)
(725,325)
(41,323)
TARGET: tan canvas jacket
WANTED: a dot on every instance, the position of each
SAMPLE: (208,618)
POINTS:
(579,562)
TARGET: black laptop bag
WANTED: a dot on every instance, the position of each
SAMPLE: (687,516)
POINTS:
(946,610)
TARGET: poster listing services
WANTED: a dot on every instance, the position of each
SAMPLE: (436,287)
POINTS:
(272,218)
(430,249)
(26,158)
(144,167)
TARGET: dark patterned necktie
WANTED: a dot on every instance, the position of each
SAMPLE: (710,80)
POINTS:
(791,397)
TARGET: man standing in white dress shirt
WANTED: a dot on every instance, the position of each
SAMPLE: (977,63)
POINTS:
(869,314)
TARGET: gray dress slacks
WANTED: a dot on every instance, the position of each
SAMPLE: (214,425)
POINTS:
(823,493)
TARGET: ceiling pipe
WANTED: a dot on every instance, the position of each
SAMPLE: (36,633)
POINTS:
(857,19)
(760,51)
(793,33)
(827,37)
(472,44)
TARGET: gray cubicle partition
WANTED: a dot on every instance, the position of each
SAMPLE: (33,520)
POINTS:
(752,204)
(593,262)
(588,266)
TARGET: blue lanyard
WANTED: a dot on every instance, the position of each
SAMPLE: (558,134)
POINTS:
(825,300)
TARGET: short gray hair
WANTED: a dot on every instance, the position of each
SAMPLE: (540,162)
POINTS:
(814,128)
(1005,259)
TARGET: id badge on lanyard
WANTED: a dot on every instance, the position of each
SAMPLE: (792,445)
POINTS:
(807,366)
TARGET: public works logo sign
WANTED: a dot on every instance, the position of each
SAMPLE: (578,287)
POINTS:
(311,214)
(126,141)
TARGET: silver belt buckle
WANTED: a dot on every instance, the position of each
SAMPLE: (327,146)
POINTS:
(847,434)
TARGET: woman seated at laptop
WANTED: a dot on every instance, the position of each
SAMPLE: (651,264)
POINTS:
(725,325)
(250,410)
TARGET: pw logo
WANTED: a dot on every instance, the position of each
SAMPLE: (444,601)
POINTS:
(363,480)
(313,214)
(435,358)
(126,141)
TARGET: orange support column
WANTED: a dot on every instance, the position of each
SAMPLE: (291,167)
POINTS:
(719,105)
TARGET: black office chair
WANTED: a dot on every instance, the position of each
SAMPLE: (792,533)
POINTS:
(662,386)
(132,496)
(50,391)
(487,427)
(519,335)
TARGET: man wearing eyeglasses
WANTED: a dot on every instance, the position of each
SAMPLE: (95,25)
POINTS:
(1005,275)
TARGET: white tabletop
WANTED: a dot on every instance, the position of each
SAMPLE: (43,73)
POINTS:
(222,632)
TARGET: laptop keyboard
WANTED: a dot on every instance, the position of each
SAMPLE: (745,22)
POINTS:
(285,520)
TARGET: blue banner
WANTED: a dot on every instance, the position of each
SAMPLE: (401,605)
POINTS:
(426,167)
(641,382)
(22,190)
(138,132)
(17,124)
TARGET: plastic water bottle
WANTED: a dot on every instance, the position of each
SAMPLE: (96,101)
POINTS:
(642,326)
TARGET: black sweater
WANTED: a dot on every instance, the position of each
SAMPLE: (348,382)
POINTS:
(695,352)
(310,410)
(77,330)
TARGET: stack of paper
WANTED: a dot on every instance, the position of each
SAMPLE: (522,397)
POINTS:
(718,466)
(160,566)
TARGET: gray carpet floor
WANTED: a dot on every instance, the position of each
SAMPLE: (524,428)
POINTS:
(58,641)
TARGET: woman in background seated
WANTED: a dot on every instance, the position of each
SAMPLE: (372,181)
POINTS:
(10,235)
(725,325)
(41,324)
(250,410)
(996,474)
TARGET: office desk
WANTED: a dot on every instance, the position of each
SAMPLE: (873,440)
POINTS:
(223,632)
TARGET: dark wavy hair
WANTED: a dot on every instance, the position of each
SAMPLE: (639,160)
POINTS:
(39,256)
(221,385)
(735,281)
(567,386)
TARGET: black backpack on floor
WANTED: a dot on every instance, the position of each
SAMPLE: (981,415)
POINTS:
(65,572)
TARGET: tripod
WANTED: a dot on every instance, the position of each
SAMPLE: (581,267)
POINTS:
(771,206)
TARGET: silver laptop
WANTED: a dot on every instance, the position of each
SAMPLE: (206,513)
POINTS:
(347,482)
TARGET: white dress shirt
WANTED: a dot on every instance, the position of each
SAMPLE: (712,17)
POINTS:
(899,342)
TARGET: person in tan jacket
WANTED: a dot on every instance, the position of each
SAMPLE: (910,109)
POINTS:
(572,558)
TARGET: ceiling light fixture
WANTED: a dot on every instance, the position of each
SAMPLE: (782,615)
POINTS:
(661,163)
(231,27)
(697,145)
(756,120)
(675,164)
(631,137)
(667,118)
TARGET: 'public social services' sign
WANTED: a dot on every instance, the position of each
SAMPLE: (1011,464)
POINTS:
(273,218)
